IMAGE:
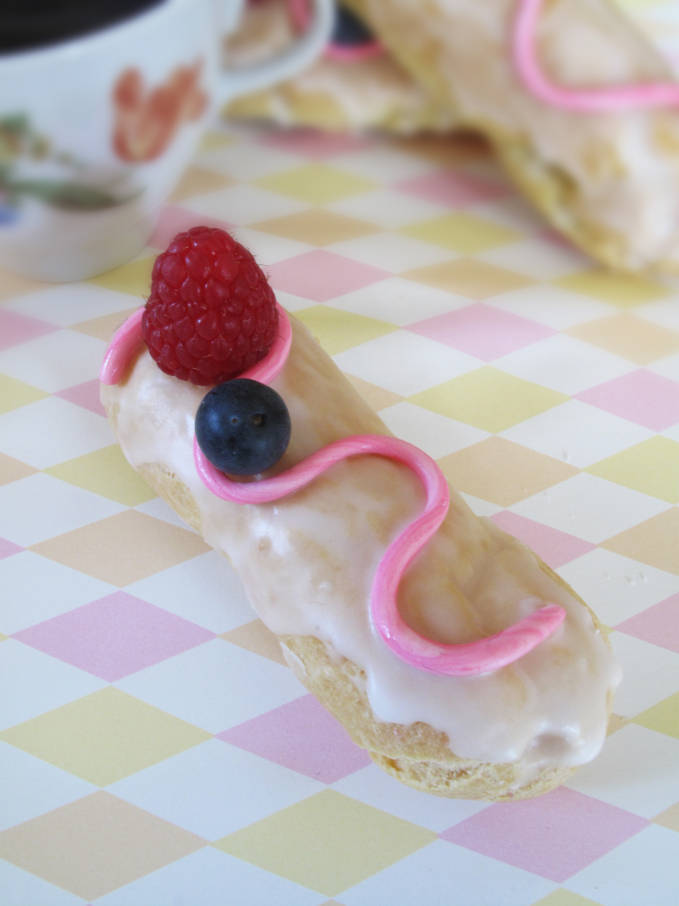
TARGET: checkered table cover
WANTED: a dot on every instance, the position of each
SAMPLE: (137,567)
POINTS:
(154,749)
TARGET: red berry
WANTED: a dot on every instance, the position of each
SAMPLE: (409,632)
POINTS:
(211,313)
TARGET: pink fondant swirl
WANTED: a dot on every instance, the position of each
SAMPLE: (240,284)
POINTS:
(590,100)
(469,658)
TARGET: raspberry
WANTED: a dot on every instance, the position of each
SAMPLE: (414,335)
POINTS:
(211,313)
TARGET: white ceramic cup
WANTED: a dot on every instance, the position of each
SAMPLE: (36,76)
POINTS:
(96,131)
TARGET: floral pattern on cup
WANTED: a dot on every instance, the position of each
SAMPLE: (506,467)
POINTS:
(31,168)
(146,119)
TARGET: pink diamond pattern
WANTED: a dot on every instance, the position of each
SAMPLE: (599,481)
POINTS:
(321,275)
(555,547)
(7,548)
(114,636)
(85,395)
(554,836)
(176,219)
(451,189)
(16,328)
(314,144)
(302,736)
(482,331)
(641,396)
(658,625)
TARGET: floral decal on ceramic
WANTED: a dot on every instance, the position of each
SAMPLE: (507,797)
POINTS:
(31,168)
(146,119)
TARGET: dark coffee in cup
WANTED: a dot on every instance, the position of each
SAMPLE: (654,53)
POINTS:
(29,24)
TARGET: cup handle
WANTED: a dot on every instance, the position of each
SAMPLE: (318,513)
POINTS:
(301,54)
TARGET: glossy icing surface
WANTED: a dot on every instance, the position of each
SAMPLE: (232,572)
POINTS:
(461,659)
(307,566)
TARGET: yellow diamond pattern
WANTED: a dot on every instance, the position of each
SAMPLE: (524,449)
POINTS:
(630,337)
(339,330)
(104,736)
(310,834)
(564,898)
(621,290)
(105,472)
(501,471)
(104,327)
(468,277)
(133,278)
(11,469)
(663,717)
(651,467)
(14,394)
(655,541)
(489,399)
(316,184)
(462,233)
(317,227)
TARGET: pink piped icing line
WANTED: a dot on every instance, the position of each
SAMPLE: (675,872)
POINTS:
(465,659)
(594,100)
(127,341)
(125,344)
(471,658)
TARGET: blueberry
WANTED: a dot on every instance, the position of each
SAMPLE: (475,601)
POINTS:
(349,31)
(242,427)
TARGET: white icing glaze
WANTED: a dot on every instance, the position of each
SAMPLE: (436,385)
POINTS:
(623,167)
(307,563)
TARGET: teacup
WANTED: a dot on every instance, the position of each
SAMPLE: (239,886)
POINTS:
(96,130)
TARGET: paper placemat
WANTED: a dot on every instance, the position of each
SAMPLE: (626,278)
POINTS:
(154,749)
